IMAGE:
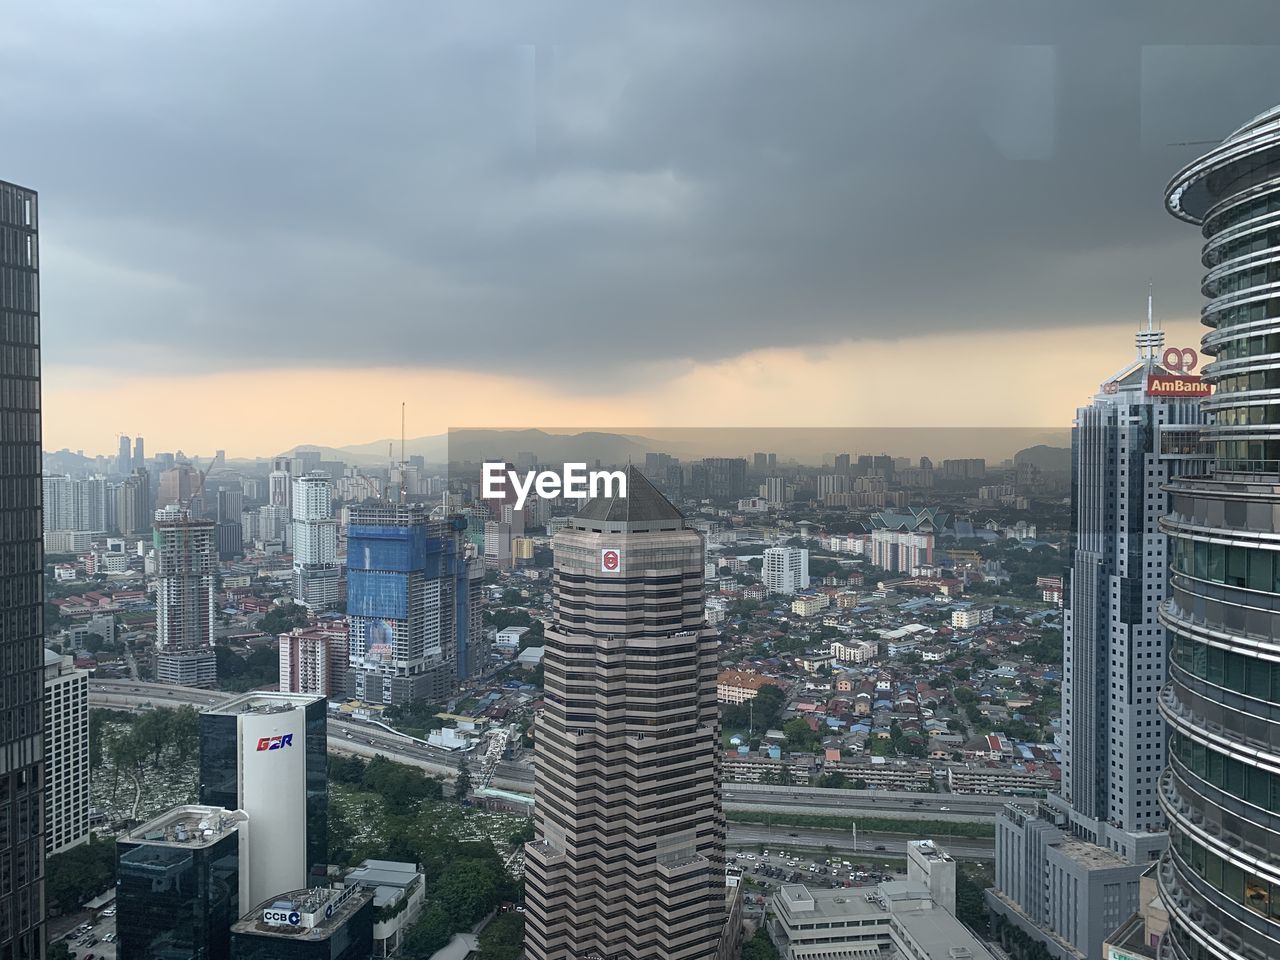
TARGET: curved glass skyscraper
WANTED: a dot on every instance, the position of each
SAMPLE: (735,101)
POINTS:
(1220,878)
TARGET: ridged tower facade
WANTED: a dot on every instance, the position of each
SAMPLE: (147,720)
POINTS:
(628,863)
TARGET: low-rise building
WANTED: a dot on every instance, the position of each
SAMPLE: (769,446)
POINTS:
(898,920)
(810,605)
(735,686)
(321,923)
(398,891)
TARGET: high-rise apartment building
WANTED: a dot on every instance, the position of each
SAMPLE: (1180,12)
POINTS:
(134,513)
(280,483)
(1090,843)
(1220,878)
(186,564)
(76,504)
(66,753)
(901,542)
(265,754)
(785,569)
(411,604)
(21,580)
(314,659)
(317,578)
(629,856)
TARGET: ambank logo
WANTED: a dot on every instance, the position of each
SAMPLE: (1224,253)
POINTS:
(275,743)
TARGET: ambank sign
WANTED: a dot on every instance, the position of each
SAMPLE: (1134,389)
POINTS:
(1172,385)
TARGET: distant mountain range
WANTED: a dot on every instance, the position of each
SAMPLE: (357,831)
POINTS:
(1047,459)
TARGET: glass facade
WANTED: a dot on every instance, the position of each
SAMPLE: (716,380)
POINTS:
(350,940)
(21,582)
(1220,878)
(177,901)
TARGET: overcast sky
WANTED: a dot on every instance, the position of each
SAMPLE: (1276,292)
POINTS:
(504,213)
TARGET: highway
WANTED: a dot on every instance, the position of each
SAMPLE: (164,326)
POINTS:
(747,836)
(364,739)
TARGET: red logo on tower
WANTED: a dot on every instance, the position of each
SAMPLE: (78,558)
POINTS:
(276,743)
(610,561)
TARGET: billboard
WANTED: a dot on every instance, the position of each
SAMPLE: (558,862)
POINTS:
(1176,385)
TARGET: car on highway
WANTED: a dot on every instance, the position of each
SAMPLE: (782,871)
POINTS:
(880,846)
(944,808)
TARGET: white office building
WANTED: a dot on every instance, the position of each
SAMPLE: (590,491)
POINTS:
(786,569)
(317,578)
(66,754)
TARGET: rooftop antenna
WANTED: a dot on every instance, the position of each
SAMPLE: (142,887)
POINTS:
(1150,340)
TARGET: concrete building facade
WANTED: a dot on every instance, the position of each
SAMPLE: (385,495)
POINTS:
(629,856)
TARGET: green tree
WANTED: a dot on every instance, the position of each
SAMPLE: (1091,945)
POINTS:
(759,947)
(80,874)
(503,937)
(800,736)
(282,618)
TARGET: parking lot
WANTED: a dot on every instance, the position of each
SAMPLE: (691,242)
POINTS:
(774,867)
(97,942)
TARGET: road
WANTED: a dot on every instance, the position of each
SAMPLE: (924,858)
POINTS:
(748,835)
(367,740)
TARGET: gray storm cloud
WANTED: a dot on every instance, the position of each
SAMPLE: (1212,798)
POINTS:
(526,187)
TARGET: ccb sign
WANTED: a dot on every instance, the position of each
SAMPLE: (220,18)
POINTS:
(288,918)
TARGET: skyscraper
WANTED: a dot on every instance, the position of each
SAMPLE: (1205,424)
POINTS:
(133,503)
(317,580)
(21,580)
(410,604)
(264,753)
(280,483)
(124,460)
(629,856)
(186,564)
(1220,879)
(139,454)
(1067,873)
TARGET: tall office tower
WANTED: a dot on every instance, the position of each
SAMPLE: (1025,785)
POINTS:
(842,464)
(139,454)
(124,459)
(1090,843)
(186,565)
(785,569)
(280,482)
(178,485)
(629,856)
(230,537)
(66,753)
(317,578)
(408,604)
(759,462)
(265,754)
(230,503)
(59,503)
(179,881)
(1220,879)
(21,580)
